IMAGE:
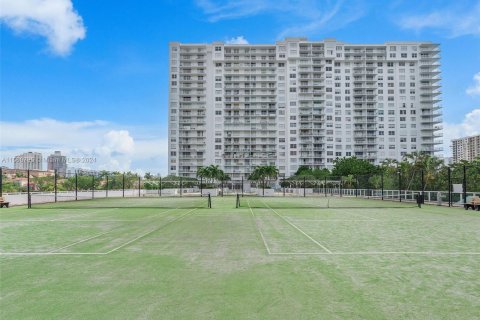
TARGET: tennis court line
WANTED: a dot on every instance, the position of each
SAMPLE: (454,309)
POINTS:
(117,220)
(258,228)
(53,252)
(340,220)
(149,232)
(77,242)
(301,231)
(369,253)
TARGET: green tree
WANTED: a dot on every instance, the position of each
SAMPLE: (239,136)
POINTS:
(148,176)
(353,166)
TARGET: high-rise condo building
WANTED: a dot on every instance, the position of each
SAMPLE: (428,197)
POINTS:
(300,103)
(467,148)
(57,162)
(28,161)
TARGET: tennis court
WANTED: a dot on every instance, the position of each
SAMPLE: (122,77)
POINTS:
(283,258)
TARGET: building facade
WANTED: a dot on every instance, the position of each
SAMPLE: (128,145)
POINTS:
(300,103)
(57,162)
(467,148)
(29,161)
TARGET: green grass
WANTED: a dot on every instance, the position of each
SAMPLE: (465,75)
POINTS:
(293,258)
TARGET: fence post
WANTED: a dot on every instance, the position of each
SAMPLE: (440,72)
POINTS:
(464,184)
(181,186)
(1,182)
(55,184)
(160,185)
(356,186)
(76,185)
(341,186)
(123,185)
(423,188)
(29,198)
(325,187)
(106,188)
(399,185)
(242,186)
(304,185)
(449,186)
(382,184)
(283,185)
(93,186)
(139,185)
(221,184)
(201,186)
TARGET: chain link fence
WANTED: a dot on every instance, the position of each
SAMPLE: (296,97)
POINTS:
(450,186)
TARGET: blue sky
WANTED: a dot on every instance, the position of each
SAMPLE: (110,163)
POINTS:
(90,77)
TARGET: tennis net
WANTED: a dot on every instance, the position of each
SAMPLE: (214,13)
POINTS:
(318,202)
(82,202)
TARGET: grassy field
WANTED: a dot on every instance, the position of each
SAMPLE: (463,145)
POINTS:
(273,258)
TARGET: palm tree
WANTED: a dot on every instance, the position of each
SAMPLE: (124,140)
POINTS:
(264,173)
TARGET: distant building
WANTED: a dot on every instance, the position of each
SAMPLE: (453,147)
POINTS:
(467,148)
(28,161)
(22,173)
(71,171)
(57,162)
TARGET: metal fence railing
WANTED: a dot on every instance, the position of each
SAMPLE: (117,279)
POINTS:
(450,186)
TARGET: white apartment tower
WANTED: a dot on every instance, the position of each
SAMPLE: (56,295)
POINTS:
(300,103)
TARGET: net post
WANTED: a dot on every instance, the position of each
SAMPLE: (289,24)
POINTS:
(201,186)
(304,186)
(181,186)
(382,184)
(1,182)
(76,185)
(449,172)
(93,186)
(263,187)
(139,185)
(209,201)
(221,184)
(106,188)
(464,185)
(237,204)
(123,185)
(283,185)
(29,197)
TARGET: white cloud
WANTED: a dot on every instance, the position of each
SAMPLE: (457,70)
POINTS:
(469,126)
(55,20)
(112,146)
(237,40)
(300,17)
(475,89)
(455,21)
